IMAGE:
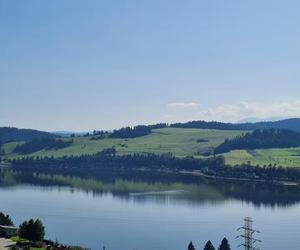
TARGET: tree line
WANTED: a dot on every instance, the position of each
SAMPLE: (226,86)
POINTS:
(261,139)
(108,161)
(136,131)
(128,132)
(8,134)
(290,124)
(206,125)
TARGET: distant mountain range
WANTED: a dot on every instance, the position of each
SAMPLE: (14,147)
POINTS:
(8,134)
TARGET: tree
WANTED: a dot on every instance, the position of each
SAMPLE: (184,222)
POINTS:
(224,245)
(5,220)
(128,132)
(32,230)
(191,246)
(109,151)
(209,246)
(2,151)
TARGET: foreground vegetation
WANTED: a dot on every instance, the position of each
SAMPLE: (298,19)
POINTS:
(209,246)
(31,234)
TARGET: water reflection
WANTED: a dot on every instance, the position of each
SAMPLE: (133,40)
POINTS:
(166,189)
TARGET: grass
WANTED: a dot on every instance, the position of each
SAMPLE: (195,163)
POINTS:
(17,239)
(178,141)
(286,157)
(9,147)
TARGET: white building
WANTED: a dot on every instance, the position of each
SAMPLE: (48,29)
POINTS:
(8,231)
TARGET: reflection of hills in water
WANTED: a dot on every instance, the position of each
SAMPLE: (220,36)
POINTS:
(168,189)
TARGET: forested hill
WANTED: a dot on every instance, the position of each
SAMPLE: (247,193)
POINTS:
(290,124)
(261,139)
(206,125)
(8,134)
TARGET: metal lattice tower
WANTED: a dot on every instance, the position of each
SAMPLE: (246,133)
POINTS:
(249,240)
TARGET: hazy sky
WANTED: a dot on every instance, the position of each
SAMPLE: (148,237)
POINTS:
(81,65)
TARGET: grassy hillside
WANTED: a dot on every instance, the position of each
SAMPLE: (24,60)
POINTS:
(178,141)
(287,157)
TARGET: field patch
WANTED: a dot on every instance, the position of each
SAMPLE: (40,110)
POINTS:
(286,157)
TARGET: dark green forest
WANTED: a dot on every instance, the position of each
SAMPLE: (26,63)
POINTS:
(128,132)
(5,220)
(261,139)
(143,164)
(291,124)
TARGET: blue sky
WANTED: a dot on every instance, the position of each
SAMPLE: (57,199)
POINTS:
(82,65)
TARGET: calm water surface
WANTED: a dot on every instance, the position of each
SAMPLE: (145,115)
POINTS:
(166,218)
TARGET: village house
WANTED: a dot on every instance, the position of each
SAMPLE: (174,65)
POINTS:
(8,231)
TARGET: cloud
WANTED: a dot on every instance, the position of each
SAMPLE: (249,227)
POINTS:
(183,105)
(236,112)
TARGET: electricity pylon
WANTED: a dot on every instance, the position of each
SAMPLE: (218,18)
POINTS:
(249,240)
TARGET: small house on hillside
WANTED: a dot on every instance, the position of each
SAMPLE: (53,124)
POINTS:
(8,231)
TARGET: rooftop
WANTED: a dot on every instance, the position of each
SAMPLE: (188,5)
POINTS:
(8,227)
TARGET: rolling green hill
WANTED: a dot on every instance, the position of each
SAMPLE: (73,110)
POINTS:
(180,142)
(287,157)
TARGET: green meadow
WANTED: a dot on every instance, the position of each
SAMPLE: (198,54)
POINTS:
(286,157)
(180,142)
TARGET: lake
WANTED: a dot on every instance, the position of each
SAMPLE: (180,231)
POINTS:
(147,215)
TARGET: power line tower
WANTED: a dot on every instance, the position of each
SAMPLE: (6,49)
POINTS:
(249,240)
